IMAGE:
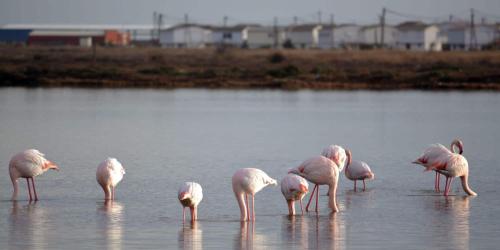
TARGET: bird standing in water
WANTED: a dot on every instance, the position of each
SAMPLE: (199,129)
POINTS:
(109,173)
(249,181)
(357,170)
(320,171)
(28,164)
(450,164)
(190,195)
(294,188)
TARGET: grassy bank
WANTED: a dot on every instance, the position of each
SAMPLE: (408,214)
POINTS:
(208,68)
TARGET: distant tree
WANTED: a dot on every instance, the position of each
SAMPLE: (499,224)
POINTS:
(288,44)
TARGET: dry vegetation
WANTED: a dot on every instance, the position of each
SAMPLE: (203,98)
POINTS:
(235,68)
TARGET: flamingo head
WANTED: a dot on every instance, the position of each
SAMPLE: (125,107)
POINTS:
(185,198)
(459,144)
(50,165)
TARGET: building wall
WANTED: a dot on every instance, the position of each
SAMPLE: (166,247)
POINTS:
(262,37)
(186,37)
(65,40)
(14,35)
(234,38)
(347,36)
(432,39)
(304,39)
(373,36)
(117,38)
(325,39)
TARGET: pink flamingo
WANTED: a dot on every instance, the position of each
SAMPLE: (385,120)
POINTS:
(109,173)
(433,152)
(320,171)
(294,188)
(249,181)
(190,195)
(28,164)
(447,163)
(357,170)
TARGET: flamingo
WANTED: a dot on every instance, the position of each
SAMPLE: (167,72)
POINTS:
(357,170)
(28,164)
(320,171)
(294,188)
(249,181)
(337,154)
(433,152)
(190,195)
(109,173)
(449,164)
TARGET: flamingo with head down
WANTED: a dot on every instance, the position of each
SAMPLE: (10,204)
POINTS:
(109,173)
(450,164)
(357,170)
(28,164)
(294,188)
(190,195)
(249,181)
(321,171)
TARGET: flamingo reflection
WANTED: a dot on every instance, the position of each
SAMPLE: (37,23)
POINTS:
(112,223)
(191,237)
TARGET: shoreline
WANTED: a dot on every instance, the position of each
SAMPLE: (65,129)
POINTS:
(247,69)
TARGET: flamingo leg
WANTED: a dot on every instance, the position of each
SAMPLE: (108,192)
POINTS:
(301,208)
(193,215)
(113,193)
(29,188)
(34,190)
(436,182)
(448,185)
(246,207)
(364,185)
(310,198)
(253,207)
(355,186)
(317,198)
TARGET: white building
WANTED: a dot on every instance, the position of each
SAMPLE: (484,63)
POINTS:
(340,36)
(419,37)
(234,36)
(460,36)
(371,35)
(304,36)
(186,36)
(264,37)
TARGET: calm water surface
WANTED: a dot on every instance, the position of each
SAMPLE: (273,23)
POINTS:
(164,138)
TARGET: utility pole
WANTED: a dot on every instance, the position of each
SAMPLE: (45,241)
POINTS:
(382,28)
(224,21)
(153,31)
(295,20)
(332,29)
(187,32)
(473,39)
(319,17)
(160,24)
(275,31)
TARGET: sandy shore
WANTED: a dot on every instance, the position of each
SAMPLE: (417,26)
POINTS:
(235,68)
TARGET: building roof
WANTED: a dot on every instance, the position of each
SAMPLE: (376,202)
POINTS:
(235,28)
(304,27)
(412,26)
(67,33)
(188,25)
(76,27)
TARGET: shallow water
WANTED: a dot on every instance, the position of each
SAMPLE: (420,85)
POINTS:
(166,137)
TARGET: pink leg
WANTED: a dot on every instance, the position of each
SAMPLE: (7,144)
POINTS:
(364,185)
(192,214)
(253,207)
(448,185)
(301,208)
(355,186)
(317,198)
(34,190)
(29,188)
(113,193)
(436,184)
(246,207)
(310,198)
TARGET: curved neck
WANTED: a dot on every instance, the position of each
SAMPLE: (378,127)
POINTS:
(465,185)
(13,178)
(456,144)
(348,160)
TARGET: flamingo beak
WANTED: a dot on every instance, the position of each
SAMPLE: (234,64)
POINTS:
(183,196)
(51,165)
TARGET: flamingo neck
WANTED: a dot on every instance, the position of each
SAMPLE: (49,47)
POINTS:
(13,178)
(457,144)
(465,185)
(240,197)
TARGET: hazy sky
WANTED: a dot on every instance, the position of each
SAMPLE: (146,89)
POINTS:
(212,11)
